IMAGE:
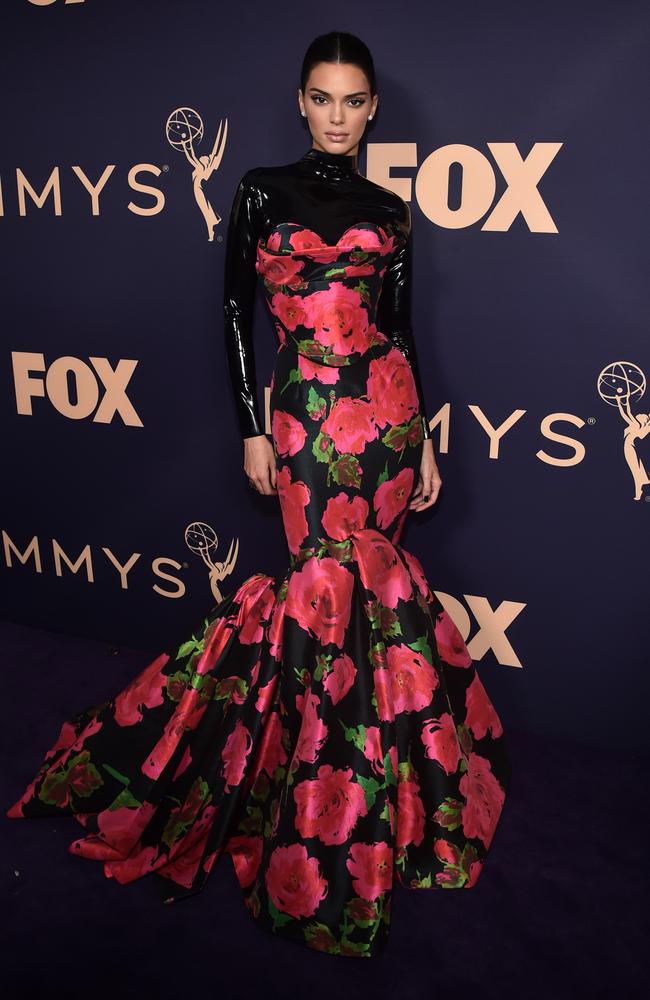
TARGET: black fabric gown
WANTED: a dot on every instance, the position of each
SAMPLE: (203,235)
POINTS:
(327,729)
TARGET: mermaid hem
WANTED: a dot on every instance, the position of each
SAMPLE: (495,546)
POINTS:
(328,729)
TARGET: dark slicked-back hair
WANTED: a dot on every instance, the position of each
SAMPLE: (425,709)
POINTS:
(339,47)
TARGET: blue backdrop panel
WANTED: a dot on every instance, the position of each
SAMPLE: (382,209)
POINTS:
(516,134)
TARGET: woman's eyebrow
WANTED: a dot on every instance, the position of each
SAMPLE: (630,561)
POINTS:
(357,93)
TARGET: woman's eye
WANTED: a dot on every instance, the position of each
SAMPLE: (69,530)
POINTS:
(356,102)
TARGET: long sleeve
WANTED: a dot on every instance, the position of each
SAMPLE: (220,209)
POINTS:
(240,281)
(394,311)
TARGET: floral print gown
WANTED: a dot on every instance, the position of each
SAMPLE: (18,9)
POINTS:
(328,730)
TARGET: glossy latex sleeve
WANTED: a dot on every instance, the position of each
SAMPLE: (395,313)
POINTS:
(394,312)
(240,283)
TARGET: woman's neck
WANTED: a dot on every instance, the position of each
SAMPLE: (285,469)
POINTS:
(332,166)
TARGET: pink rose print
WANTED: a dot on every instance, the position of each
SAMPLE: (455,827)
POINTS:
(413,678)
(246,853)
(416,571)
(306,239)
(450,643)
(276,626)
(126,870)
(391,389)
(372,749)
(288,433)
(310,370)
(371,867)
(313,731)
(384,694)
(382,571)
(235,753)
(410,813)
(355,270)
(481,714)
(343,515)
(289,310)
(340,678)
(266,696)
(271,753)
(329,806)
(392,496)
(294,498)
(185,856)
(484,798)
(274,241)
(183,764)
(350,425)
(294,881)
(365,239)
(255,608)
(121,828)
(279,270)
(441,741)
(146,691)
(319,597)
(338,319)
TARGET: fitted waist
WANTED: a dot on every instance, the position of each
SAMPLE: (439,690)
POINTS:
(373,345)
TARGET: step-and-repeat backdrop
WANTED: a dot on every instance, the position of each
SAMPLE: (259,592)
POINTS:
(517,136)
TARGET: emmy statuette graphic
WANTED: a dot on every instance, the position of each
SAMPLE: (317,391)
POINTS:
(184,130)
(202,540)
(617,384)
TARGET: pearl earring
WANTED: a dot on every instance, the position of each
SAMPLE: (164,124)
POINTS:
(369,118)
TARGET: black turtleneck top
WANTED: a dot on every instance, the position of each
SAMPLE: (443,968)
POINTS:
(326,193)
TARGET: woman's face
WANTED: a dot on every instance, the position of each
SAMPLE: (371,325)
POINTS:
(337,103)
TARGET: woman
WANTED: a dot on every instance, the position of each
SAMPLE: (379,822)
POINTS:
(328,729)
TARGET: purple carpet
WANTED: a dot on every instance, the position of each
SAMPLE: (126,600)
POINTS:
(559,911)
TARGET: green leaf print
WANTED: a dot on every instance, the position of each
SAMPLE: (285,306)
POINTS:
(390,623)
(279,918)
(316,405)
(323,448)
(410,433)
(370,787)
(390,778)
(125,798)
(186,648)
(321,933)
(341,551)
(346,471)
(116,774)
(448,813)
(384,476)
(356,736)
(79,777)
(311,348)
(421,645)
(363,288)
(295,375)
(323,665)
(195,644)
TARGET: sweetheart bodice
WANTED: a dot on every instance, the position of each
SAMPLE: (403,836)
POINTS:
(324,297)
(293,238)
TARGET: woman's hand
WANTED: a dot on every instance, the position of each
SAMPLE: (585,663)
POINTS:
(259,464)
(429,484)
